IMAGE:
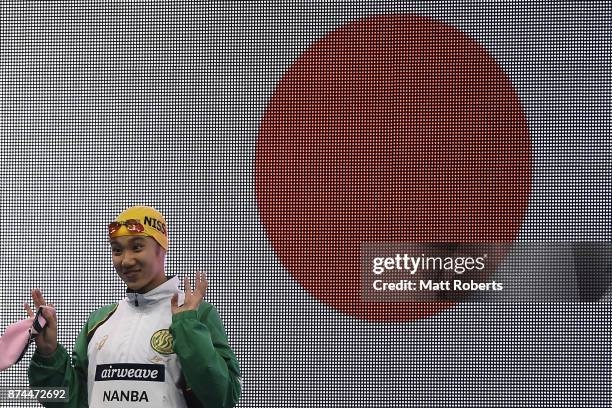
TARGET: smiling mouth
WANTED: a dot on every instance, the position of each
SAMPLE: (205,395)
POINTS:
(130,273)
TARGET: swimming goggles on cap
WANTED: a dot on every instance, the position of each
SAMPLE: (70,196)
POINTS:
(131,225)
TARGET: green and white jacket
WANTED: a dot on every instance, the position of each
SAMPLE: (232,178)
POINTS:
(135,353)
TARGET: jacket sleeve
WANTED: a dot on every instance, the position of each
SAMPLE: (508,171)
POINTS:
(209,365)
(57,370)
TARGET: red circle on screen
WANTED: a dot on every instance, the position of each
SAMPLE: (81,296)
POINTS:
(390,128)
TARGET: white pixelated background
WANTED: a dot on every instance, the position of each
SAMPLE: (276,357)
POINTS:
(104,106)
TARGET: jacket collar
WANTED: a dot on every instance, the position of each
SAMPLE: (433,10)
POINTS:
(164,291)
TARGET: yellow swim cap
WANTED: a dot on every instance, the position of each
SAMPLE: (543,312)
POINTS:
(140,220)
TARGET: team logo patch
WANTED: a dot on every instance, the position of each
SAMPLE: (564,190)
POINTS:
(161,341)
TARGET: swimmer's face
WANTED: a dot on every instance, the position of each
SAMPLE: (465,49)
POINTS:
(139,262)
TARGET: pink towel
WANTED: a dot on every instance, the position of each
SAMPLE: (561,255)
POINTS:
(17,337)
